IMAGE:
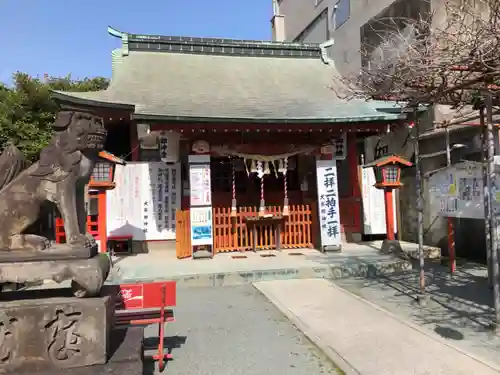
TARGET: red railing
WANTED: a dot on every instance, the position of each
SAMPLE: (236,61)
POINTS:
(296,232)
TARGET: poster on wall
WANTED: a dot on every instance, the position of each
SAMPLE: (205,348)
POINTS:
(201,226)
(328,204)
(373,205)
(457,191)
(144,201)
(200,187)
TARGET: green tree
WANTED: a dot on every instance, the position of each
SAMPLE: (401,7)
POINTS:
(27,110)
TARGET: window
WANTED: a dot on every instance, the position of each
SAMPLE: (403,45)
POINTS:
(102,172)
(340,13)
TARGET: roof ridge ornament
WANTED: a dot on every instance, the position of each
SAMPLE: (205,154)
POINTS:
(324,52)
(124,37)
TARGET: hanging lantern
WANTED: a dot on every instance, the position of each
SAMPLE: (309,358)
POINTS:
(286,210)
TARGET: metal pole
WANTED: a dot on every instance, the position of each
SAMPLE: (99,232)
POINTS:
(492,216)
(486,193)
(420,213)
(449,220)
(448,151)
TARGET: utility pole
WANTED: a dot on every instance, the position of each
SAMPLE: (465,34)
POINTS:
(491,212)
(420,212)
(486,194)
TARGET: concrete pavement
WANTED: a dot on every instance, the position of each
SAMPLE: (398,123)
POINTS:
(364,339)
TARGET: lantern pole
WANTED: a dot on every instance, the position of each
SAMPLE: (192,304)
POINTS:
(389,213)
(420,213)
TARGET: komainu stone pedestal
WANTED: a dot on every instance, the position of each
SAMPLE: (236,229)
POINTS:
(41,329)
(125,353)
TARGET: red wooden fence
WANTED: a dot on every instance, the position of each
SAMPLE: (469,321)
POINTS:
(183,247)
(296,233)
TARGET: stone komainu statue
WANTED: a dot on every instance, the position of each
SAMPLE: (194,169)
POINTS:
(60,176)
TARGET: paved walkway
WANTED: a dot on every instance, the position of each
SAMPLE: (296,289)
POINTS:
(363,338)
(460,308)
(228,269)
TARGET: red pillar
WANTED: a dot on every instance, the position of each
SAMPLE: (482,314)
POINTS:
(101,218)
(389,213)
(451,244)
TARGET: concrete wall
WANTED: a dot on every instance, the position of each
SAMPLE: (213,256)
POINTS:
(301,14)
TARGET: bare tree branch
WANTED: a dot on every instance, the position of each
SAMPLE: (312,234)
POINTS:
(430,59)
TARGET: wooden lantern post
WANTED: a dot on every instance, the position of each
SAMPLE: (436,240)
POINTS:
(388,177)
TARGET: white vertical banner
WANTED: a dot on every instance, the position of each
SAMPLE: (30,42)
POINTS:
(123,203)
(374,205)
(157,200)
(144,201)
(328,204)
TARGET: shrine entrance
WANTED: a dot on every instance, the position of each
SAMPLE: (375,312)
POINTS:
(251,189)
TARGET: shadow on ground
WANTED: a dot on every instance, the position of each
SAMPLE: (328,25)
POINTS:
(465,294)
(150,346)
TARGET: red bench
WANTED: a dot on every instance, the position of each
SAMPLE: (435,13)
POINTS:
(145,304)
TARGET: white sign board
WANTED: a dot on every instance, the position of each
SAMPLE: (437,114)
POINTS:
(201,226)
(373,205)
(457,191)
(200,187)
(144,201)
(328,203)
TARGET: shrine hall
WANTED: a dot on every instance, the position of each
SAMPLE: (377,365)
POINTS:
(230,145)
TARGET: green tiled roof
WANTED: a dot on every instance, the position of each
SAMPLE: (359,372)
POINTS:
(219,79)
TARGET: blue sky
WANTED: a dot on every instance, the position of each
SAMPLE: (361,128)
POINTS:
(59,37)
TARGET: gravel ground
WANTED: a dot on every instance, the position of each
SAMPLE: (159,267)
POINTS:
(236,330)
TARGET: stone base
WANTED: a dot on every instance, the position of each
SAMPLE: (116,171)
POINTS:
(391,247)
(332,248)
(87,275)
(50,329)
(55,252)
(409,250)
(126,360)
